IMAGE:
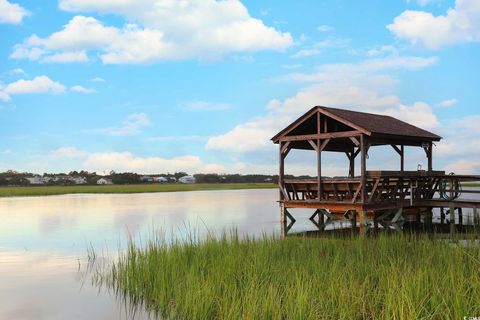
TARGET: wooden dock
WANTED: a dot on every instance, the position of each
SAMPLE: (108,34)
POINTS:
(373,196)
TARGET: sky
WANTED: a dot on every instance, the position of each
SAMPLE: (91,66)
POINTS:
(156,86)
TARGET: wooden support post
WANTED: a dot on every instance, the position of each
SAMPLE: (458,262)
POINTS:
(354,220)
(319,160)
(363,150)
(460,216)
(452,219)
(281,171)
(352,164)
(429,155)
(319,171)
(402,158)
(442,215)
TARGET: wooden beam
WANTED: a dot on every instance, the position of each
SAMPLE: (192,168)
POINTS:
(281,172)
(324,144)
(355,141)
(319,171)
(363,167)
(285,147)
(402,158)
(352,165)
(430,156)
(329,135)
(397,149)
(314,146)
(355,154)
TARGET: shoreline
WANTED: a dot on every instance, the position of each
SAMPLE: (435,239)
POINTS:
(35,191)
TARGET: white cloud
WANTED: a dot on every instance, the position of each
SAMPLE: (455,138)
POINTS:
(19,71)
(460,25)
(447,103)
(158,30)
(338,71)
(66,57)
(132,125)
(68,152)
(126,161)
(324,28)
(178,138)
(83,90)
(97,79)
(250,136)
(11,13)
(40,84)
(423,2)
(382,51)
(357,86)
(318,47)
(199,105)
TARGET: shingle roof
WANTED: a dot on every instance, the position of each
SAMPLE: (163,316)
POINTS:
(381,124)
(369,123)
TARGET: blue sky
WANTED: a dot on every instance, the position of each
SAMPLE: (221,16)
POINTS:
(201,86)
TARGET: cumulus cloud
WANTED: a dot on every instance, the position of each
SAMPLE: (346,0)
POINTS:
(132,125)
(83,90)
(157,30)
(40,84)
(68,153)
(66,57)
(447,103)
(11,13)
(459,25)
(325,28)
(126,161)
(357,86)
(97,79)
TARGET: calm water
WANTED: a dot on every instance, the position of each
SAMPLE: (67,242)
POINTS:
(43,242)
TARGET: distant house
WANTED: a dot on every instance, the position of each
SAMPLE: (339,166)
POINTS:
(78,180)
(187,179)
(36,180)
(104,181)
(146,179)
(160,179)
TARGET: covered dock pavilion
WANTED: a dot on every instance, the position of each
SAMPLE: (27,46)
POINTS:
(379,196)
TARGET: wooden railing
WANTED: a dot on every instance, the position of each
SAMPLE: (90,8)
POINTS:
(380,186)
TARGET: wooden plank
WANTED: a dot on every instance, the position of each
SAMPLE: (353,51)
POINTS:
(363,167)
(397,149)
(355,141)
(374,189)
(285,147)
(321,136)
(314,146)
(324,144)
(402,158)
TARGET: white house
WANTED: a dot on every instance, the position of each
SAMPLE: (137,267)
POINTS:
(104,181)
(79,180)
(146,179)
(187,179)
(160,179)
(36,180)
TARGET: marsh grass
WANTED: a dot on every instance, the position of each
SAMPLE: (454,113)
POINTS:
(134,188)
(225,277)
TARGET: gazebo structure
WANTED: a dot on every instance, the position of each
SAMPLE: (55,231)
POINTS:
(381,196)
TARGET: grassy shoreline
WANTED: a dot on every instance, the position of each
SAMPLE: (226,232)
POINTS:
(385,277)
(136,188)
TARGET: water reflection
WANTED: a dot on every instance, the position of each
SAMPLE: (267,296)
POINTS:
(44,240)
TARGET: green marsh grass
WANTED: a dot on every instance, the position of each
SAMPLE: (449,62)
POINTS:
(225,277)
(133,188)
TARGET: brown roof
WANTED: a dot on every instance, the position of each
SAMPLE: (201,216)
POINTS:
(368,123)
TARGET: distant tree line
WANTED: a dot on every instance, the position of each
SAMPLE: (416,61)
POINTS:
(15,178)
